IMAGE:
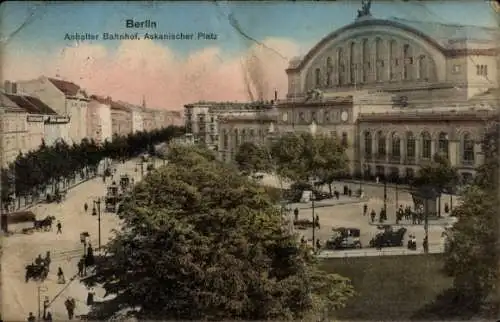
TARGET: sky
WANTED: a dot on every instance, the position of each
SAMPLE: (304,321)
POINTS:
(254,42)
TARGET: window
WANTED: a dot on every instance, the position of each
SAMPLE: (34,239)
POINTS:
(345,142)
(380,62)
(329,69)
(327,116)
(410,145)
(352,63)
(302,116)
(381,144)
(236,138)
(366,60)
(482,70)
(426,145)
(422,67)
(317,77)
(225,139)
(396,146)
(410,173)
(340,66)
(468,149)
(443,144)
(456,69)
(393,58)
(313,116)
(407,61)
(368,144)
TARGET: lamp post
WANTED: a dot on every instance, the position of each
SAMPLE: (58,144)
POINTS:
(313,129)
(40,289)
(98,213)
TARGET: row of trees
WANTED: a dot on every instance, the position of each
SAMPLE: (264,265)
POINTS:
(297,157)
(201,241)
(35,171)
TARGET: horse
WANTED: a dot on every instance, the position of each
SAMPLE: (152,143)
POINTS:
(36,272)
(45,224)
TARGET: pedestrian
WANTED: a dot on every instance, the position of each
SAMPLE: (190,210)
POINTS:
(59,227)
(45,306)
(85,207)
(90,297)
(446,208)
(31,317)
(425,245)
(90,256)
(373,214)
(296,214)
(349,192)
(318,245)
(365,209)
(48,318)
(70,307)
(317,221)
(60,276)
(80,267)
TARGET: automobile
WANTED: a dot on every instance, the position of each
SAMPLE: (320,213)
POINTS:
(294,194)
(344,238)
(389,237)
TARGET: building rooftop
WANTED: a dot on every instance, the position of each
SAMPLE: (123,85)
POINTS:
(68,88)
(6,102)
(31,104)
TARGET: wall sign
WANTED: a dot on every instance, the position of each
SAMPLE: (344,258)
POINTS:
(35,118)
(57,119)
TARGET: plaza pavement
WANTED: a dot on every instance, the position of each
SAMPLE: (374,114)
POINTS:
(20,298)
(348,212)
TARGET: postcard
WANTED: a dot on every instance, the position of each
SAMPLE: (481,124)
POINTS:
(219,160)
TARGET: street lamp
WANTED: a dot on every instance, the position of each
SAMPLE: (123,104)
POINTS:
(313,129)
(98,203)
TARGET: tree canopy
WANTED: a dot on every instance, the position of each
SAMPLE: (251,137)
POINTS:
(252,158)
(201,241)
(438,173)
(300,156)
(42,168)
(472,257)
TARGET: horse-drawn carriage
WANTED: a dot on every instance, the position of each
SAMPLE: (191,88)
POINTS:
(36,272)
(20,221)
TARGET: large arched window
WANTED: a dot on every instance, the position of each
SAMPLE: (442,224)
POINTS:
(340,66)
(329,70)
(443,144)
(366,60)
(368,144)
(422,67)
(407,62)
(394,59)
(352,63)
(317,77)
(468,149)
(381,144)
(396,145)
(225,139)
(236,138)
(426,145)
(243,136)
(380,60)
(410,145)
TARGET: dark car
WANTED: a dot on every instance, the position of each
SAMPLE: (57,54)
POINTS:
(389,238)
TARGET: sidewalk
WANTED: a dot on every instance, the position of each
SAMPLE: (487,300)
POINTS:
(328,202)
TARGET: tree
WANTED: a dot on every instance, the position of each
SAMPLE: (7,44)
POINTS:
(299,157)
(438,173)
(252,158)
(215,243)
(473,242)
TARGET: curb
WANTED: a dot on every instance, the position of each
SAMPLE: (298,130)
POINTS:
(347,202)
(403,224)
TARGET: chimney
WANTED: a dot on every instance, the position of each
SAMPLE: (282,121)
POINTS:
(14,88)
(275,95)
(7,87)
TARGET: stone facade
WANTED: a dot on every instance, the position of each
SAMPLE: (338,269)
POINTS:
(121,119)
(396,91)
(13,131)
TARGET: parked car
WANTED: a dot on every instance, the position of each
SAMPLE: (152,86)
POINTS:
(389,237)
(344,238)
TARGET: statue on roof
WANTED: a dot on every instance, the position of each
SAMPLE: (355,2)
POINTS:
(365,8)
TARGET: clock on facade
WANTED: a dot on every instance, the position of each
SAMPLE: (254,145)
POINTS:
(344,116)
